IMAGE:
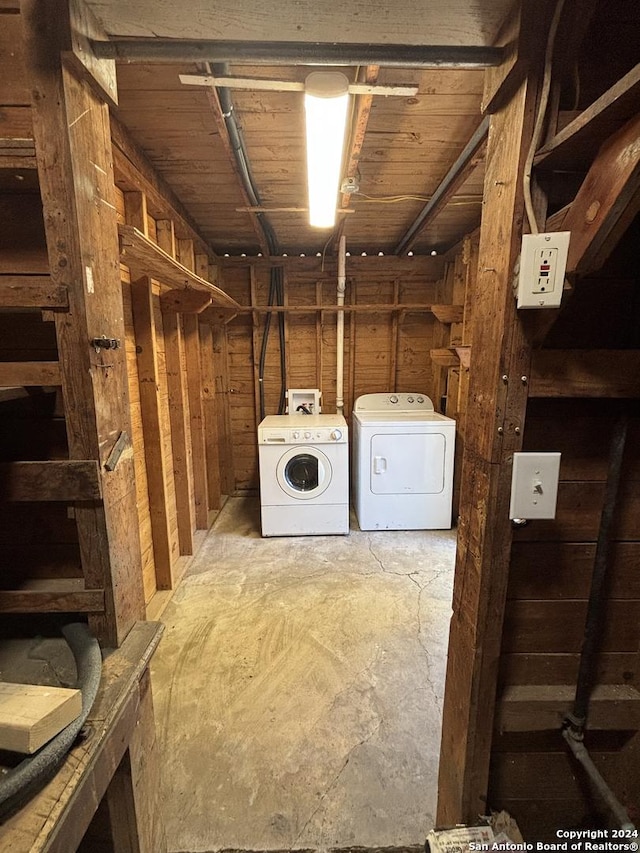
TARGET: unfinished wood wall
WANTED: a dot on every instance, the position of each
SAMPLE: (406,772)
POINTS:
(384,350)
(532,774)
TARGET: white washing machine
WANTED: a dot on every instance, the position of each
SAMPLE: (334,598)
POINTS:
(304,475)
(402,463)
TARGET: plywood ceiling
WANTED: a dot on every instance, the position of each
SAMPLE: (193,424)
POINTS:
(409,146)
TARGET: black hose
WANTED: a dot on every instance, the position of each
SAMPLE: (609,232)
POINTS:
(28,776)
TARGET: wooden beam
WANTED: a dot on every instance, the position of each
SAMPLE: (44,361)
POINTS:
(73,148)
(32,291)
(174,348)
(135,211)
(84,28)
(52,601)
(575,146)
(196,419)
(209,407)
(152,426)
(465,163)
(29,373)
(495,418)
(585,373)
(146,257)
(59,480)
(448,314)
(607,201)
(185,301)
(362,111)
(539,707)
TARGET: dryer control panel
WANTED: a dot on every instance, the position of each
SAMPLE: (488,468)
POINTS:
(393,403)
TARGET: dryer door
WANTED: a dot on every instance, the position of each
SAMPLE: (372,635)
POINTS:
(304,473)
(407,463)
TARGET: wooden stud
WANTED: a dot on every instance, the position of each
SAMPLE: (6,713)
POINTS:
(73,146)
(393,348)
(135,211)
(209,406)
(152,426)
(166,236)
(227,467)
(319,347)
(173,347)
(256,339)
(196,418)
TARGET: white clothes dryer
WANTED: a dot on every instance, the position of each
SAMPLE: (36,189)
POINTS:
(403,454)
(304,475)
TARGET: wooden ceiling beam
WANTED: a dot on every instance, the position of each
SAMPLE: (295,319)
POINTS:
(361,114)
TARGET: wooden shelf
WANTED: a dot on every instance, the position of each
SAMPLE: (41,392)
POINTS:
(576,145)
(17,153)
(451,356)
(147,258)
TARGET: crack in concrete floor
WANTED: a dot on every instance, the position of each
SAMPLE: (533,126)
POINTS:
(301,709)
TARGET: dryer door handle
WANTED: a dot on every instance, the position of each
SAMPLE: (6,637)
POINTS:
(379,465)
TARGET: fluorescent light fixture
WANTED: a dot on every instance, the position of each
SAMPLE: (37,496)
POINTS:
(326,99)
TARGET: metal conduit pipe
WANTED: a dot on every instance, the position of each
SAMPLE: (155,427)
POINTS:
(575,721)
(298,53)
(340,326)
(25,779)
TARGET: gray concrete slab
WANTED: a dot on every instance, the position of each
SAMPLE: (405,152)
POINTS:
(298,689)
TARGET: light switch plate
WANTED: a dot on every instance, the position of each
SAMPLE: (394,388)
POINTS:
(534,485)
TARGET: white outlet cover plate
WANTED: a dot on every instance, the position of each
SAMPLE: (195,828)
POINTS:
(529,294)
(534,485)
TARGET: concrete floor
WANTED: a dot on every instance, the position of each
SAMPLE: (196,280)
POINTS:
(298,688)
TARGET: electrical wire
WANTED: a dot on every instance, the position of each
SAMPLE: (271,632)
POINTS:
(542,110)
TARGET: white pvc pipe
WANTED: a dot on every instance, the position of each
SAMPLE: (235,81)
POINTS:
(342,253)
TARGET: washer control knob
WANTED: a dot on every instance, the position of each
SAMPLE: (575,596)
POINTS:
(307,435)
(421,399)
(336,435)
(409,399)
(296,434)
(393,399)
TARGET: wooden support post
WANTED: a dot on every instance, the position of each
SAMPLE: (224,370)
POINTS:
(135,211)
(73,149)
(148,380)
(166,236)
(209,406)
(494,429)
(256,340)
(196,419)
(393,349)
(227,475)
(173,348)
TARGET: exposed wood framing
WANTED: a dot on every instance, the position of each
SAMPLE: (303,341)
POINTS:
(196,417)
(32,291)
(29,373)
(362,111)
(493,432)
(585,373)
(56,600)
(156,464)
(73,146)
(58,480)
(209,406)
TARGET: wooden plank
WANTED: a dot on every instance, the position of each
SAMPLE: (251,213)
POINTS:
(209,406)
(576,145)
(361,113)
(32,291)
(31,714)
(142,255)
(148,381)
(607,201)
(585,373)
(54,601)
(562,668)
(196,418)
(59,480)
(448,313)
(84,28)
(135,211)
(534,708)
(29,373)
(484,538)
(173,345)
(166,235)
(223,386)
(73,147)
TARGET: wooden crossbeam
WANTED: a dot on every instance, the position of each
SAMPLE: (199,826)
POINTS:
(32,291)
(56,599)
(185,301)
(585,373)
(58,480)
(18,374)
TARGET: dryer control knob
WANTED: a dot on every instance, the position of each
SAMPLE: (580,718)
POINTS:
(336,435)
(393,399)
(421,399)
(296,434)
(307,435)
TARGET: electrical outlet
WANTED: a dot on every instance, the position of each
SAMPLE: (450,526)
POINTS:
(543,261)
(534,485)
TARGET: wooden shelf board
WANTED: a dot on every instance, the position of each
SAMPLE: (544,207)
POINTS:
(575,146)
(448,314)
(147,258)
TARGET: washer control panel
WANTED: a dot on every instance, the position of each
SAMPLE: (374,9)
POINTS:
(321,435)
(393,403)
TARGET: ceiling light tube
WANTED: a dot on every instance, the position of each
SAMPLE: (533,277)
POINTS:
(326,99)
